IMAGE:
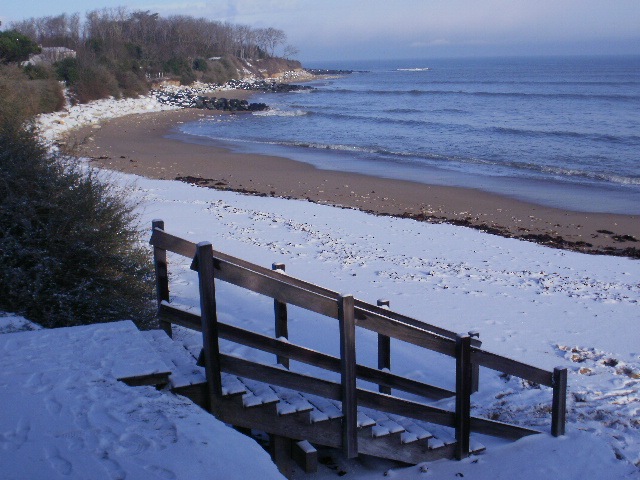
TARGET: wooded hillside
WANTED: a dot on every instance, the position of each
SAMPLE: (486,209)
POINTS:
(119,52)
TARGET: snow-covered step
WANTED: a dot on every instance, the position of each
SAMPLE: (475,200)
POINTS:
(255,404)
(291,401)
(184,371)
(231,385)
(324,409)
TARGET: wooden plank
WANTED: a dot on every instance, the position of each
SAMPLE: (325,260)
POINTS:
(500,429)
(398,317)
(511,367)
(209,316)
(278,376)
(463,396)
(328,362)
(305,455)
(559,403)
(180,317)
(292,426)
(332,390)
(171,243)
(405,332)
(368,316)
(348,376)
(325,292)
(405,408)
(328,433)
(281,317)
(475,374)
(198,393)
(281,449)
(384,350)
(161,274)
(159,379)
(277,288)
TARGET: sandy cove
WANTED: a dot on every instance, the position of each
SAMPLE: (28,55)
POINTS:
(138,144)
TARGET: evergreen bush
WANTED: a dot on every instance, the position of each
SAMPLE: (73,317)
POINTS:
(70,252)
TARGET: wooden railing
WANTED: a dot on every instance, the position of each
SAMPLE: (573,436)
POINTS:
(351,313)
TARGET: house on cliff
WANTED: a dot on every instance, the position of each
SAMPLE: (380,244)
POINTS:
(50,55)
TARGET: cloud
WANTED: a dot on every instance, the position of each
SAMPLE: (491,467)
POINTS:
(431,43)
(175,7)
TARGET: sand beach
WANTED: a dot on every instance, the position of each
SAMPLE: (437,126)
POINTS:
(139,144)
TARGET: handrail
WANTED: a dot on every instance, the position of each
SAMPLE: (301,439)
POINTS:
(166,241)
(306,295)
(302,354)
(350,313)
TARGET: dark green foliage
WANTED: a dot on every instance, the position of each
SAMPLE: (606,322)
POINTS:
(69,251)
(180,67)
(200,64)
(134,50)
(16,47)
(177,65)
(67,70)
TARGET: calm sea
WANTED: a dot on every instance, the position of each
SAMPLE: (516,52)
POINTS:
(563,132)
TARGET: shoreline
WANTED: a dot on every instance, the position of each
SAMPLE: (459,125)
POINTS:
(138,144)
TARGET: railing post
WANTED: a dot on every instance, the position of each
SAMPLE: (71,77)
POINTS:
(203,264)
(475,368)
(559,405)
(463,396)
(280,311)
(162,275)
(384,350)
(346,317)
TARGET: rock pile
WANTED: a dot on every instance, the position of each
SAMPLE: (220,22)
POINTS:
(189,99)
(193,96)
(232,105)
(266,86)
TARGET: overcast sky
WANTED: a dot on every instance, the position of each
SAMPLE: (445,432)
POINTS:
(378,29)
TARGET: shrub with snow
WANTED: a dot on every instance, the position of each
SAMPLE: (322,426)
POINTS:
(70,252)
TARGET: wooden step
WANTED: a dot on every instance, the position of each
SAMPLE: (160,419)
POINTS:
(281,411)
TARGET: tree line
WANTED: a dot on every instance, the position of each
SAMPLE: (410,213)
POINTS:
(118,50)
(159,37)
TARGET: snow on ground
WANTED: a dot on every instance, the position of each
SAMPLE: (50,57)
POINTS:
(538,305)
(543,306)
(65,415)
(53,125)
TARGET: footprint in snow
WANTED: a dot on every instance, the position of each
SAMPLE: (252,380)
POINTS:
(57,462)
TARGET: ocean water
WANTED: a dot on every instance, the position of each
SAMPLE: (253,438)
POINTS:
(562,132)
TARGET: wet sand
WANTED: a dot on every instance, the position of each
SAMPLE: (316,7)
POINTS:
(137,144)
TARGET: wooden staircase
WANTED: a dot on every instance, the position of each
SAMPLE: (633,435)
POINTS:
(290,414)
(295,406)
(284,412)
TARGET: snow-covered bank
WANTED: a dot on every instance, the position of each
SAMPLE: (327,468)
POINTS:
(54,125)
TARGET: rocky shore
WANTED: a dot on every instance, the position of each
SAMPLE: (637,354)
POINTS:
(194,96)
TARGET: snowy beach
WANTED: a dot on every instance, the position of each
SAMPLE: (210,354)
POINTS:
(150,145)
(539,305)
